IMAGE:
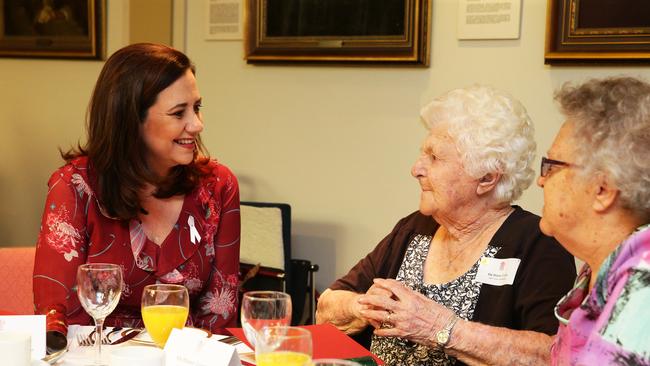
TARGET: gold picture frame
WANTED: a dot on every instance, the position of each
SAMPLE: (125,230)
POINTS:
(53,29)
(334,31)
(597,31)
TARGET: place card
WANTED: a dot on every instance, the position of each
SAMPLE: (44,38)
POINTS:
(186,347)
(34,325)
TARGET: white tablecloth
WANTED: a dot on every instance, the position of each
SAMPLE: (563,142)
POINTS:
(78,355)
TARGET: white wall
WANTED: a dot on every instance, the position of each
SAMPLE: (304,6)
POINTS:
(42,107)
(335,142)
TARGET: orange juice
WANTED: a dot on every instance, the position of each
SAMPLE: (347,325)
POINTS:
(283,358)
(160,319)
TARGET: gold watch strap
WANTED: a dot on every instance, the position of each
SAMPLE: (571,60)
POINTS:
(443,336)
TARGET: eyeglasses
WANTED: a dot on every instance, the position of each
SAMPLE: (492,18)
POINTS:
(547,164)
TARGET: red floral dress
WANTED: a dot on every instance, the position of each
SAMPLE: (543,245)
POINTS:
(201,252)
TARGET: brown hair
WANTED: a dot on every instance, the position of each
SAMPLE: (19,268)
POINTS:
(128,85)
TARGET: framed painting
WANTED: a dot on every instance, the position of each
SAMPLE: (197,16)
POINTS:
(52,28)
(338,31)
(604,31)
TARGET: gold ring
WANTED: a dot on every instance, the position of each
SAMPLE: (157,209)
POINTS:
(386,323)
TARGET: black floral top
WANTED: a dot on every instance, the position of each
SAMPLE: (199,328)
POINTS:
(460,295)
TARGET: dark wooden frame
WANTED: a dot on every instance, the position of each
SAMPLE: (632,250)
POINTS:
(86,46)
(411,48)
(569,43)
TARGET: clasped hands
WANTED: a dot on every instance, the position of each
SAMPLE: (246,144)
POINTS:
(395,310)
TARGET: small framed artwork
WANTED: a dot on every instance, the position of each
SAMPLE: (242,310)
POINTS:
(338,31)
(53,28)
(603,31)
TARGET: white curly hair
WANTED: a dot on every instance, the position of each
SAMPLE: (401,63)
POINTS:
(493,134)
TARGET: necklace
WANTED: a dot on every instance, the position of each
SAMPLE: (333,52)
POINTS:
(452,259)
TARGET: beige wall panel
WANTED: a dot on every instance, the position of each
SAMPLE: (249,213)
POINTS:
(150,21)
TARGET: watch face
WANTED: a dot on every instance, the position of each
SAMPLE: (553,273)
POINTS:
(442,337)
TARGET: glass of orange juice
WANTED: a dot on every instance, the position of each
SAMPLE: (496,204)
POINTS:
(164,307)
(283,346)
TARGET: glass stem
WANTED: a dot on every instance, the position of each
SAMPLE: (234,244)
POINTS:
(99,326)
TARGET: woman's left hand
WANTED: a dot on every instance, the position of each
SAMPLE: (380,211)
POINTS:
(408,314)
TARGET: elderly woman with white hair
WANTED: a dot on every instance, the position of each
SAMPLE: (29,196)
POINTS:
(596,183)
(469,278)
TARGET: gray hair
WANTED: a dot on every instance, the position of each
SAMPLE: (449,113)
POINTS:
(493,134)
(611,119)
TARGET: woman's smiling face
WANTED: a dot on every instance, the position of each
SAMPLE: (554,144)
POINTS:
(172,125)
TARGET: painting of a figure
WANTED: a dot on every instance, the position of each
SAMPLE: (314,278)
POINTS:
(51,28)
(46,17)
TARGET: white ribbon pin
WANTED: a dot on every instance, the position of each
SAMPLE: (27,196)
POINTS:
(195,238)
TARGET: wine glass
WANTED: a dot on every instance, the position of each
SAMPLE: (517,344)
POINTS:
(283,346)
(99,286)
(264,309)
(164,307)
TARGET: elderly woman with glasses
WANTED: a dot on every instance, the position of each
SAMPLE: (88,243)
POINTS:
(596,185)
(469,278)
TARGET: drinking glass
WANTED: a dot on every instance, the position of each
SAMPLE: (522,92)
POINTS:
(264,309)
(164,307)
(99,286)
(283,346)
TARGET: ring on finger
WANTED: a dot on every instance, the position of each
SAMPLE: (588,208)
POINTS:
(387,323)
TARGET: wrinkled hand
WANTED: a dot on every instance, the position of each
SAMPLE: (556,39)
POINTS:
(374,290)
(413,316)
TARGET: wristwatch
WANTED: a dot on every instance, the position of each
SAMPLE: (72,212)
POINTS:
(444,334)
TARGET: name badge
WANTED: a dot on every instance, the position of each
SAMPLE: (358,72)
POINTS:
(497,272)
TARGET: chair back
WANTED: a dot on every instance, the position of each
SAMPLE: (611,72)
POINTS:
(16,273)
(266,234)
(265,257)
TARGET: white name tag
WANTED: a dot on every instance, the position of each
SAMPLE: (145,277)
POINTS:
(497,272)
(187,348)
(34,325)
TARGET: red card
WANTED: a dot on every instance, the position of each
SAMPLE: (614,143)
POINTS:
(329,342)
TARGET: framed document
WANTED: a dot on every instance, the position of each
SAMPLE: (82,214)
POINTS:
(343,31)
(489,19)
(586,31)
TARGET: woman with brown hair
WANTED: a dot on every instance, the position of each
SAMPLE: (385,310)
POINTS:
(141,193)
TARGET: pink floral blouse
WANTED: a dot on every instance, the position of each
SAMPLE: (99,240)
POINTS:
(201,252)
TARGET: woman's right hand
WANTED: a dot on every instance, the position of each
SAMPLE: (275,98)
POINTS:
(407,314)
(342,309)
(374,290)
